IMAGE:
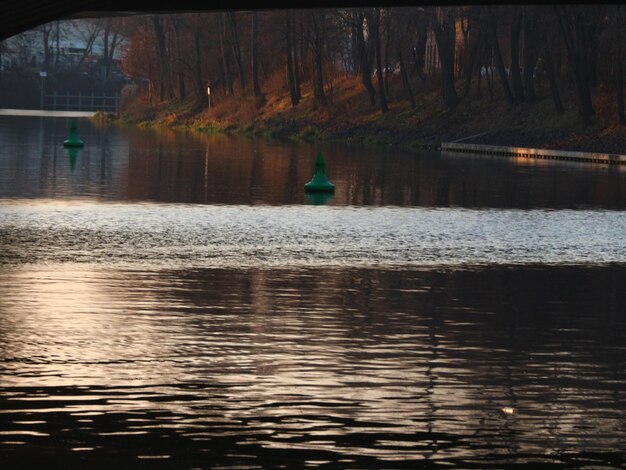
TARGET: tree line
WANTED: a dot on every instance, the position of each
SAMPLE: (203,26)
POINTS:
(473,51)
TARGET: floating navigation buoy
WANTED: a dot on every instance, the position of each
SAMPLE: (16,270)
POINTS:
(73,140)
(319,182)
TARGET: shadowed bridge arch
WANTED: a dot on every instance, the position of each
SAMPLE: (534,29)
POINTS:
(22,15)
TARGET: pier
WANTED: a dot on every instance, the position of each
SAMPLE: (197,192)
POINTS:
(546,154)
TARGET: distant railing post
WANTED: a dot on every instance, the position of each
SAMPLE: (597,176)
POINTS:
(80,101)
(67,101)
(54,101)
(92,100)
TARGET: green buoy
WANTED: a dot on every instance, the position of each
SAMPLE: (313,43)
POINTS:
(73,140)
(319,182)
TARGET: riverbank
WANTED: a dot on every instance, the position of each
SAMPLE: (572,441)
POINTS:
(348,116)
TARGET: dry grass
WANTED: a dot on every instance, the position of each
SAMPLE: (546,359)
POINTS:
(348,115)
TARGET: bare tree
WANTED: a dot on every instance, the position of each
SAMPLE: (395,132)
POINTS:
(547,56)
(472,42)
(255,53)
(618,58)
(180,77)
(163,63)
(224,59)
(317,38)
(516,76)
(577,29)
(198,59)
(89,32)
(443,27)
(399,24)
(110,43)
(372,16)
(355,18)
(236,48)
(530,50)
(492,25)
(295,99)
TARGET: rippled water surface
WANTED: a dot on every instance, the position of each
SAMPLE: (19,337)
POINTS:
(176,300)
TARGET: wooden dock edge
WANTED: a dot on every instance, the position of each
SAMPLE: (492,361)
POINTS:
(587,157)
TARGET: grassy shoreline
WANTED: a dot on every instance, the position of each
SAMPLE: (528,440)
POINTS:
(347,116)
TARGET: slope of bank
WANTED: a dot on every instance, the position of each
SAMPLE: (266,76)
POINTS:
(347,115)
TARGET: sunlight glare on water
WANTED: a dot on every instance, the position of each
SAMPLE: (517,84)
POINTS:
(219,235)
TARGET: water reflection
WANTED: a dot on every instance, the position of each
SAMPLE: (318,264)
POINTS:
(244,328)
(72,154)
(277,366)
(318,199)
(162,165)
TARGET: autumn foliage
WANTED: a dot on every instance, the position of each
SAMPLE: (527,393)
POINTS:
(514,52)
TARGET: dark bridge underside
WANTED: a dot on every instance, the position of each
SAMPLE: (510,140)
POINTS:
(21,15)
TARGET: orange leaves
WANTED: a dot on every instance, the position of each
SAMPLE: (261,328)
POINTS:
(140,60)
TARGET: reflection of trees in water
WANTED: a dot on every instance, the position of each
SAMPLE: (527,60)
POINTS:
(420,357)
(250,171)
(460,344)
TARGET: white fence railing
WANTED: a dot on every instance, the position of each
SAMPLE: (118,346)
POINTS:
(81,102)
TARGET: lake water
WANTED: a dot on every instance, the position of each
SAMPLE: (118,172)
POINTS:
(173,299)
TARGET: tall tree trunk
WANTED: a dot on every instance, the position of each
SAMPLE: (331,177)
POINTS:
(228,86)
(373,22)
(115,40)
(469,65)
(318,26)
(163,59)
(298,56)
(619,65)
(546,54)
(255,54)
(202,93)
(302,37)
(105,56)
(573,36)
(290,65)
(90,40)
(489,72)
(530,52)
(419,53)
(237,49)
(182,92)
(45,31)
(445,39)
(516,77)
(479,77)
(405,78)
(493,34)
(365,67)
(57,54)
(355,54)
(386,49)
(620,91)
